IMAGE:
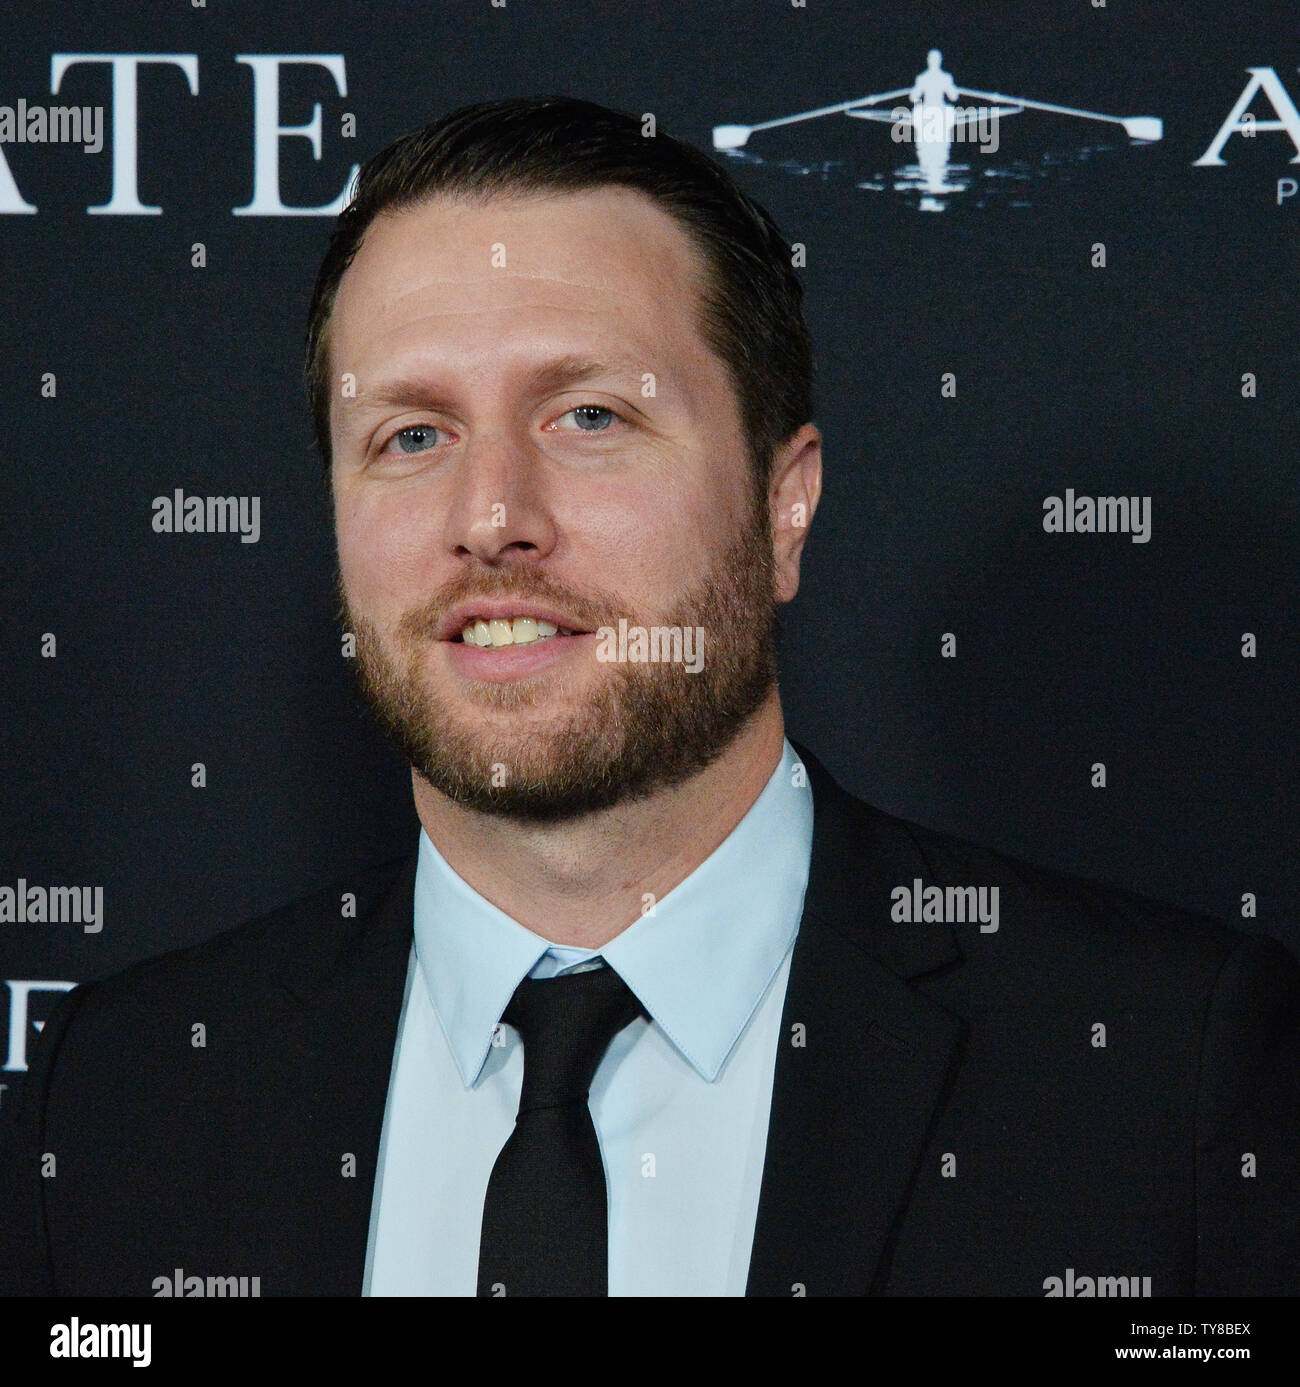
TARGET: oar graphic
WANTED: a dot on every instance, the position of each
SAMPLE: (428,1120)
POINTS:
(735,136)
(1136,127)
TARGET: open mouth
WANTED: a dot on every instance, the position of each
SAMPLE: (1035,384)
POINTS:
(496,632)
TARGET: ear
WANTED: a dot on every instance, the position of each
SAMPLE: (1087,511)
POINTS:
(795,489)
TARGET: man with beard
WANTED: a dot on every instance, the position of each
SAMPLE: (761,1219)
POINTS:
(654,1007)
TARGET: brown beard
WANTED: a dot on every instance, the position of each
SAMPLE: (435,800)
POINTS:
(647,726)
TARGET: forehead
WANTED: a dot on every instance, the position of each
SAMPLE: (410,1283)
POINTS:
(479,278)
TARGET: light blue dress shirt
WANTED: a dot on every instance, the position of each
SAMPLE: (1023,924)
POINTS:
(680,1101)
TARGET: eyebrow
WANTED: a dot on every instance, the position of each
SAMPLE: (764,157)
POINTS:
(414,392)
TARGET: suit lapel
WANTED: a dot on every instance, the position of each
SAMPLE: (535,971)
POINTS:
(853,1102)
(327,1085)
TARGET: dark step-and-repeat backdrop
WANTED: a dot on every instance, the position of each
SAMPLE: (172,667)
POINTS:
(1049,602)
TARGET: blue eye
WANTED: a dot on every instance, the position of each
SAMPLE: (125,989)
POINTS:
(415,439)
(593,418)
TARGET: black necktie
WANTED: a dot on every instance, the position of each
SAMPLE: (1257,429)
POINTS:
(545,1218)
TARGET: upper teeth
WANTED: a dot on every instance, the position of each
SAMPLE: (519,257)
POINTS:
(520,630)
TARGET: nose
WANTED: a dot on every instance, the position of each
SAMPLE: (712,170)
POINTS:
(499,509)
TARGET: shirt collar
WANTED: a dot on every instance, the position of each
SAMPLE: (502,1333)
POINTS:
(699,964)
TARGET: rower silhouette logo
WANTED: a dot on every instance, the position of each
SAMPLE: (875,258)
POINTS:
(932,121)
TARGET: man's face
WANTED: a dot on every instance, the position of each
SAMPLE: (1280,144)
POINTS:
(539,431)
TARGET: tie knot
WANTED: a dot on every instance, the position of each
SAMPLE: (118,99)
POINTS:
(566,1024)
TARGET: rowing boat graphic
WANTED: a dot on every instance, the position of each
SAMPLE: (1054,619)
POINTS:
(930,116)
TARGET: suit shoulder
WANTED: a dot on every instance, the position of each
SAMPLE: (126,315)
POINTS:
(1056,916)
(249,954)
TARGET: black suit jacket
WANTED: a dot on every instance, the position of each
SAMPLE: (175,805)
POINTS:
(943,1119)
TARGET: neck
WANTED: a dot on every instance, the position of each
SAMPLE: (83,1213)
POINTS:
(582,883)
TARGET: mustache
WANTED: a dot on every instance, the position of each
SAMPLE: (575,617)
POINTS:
(423,622)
